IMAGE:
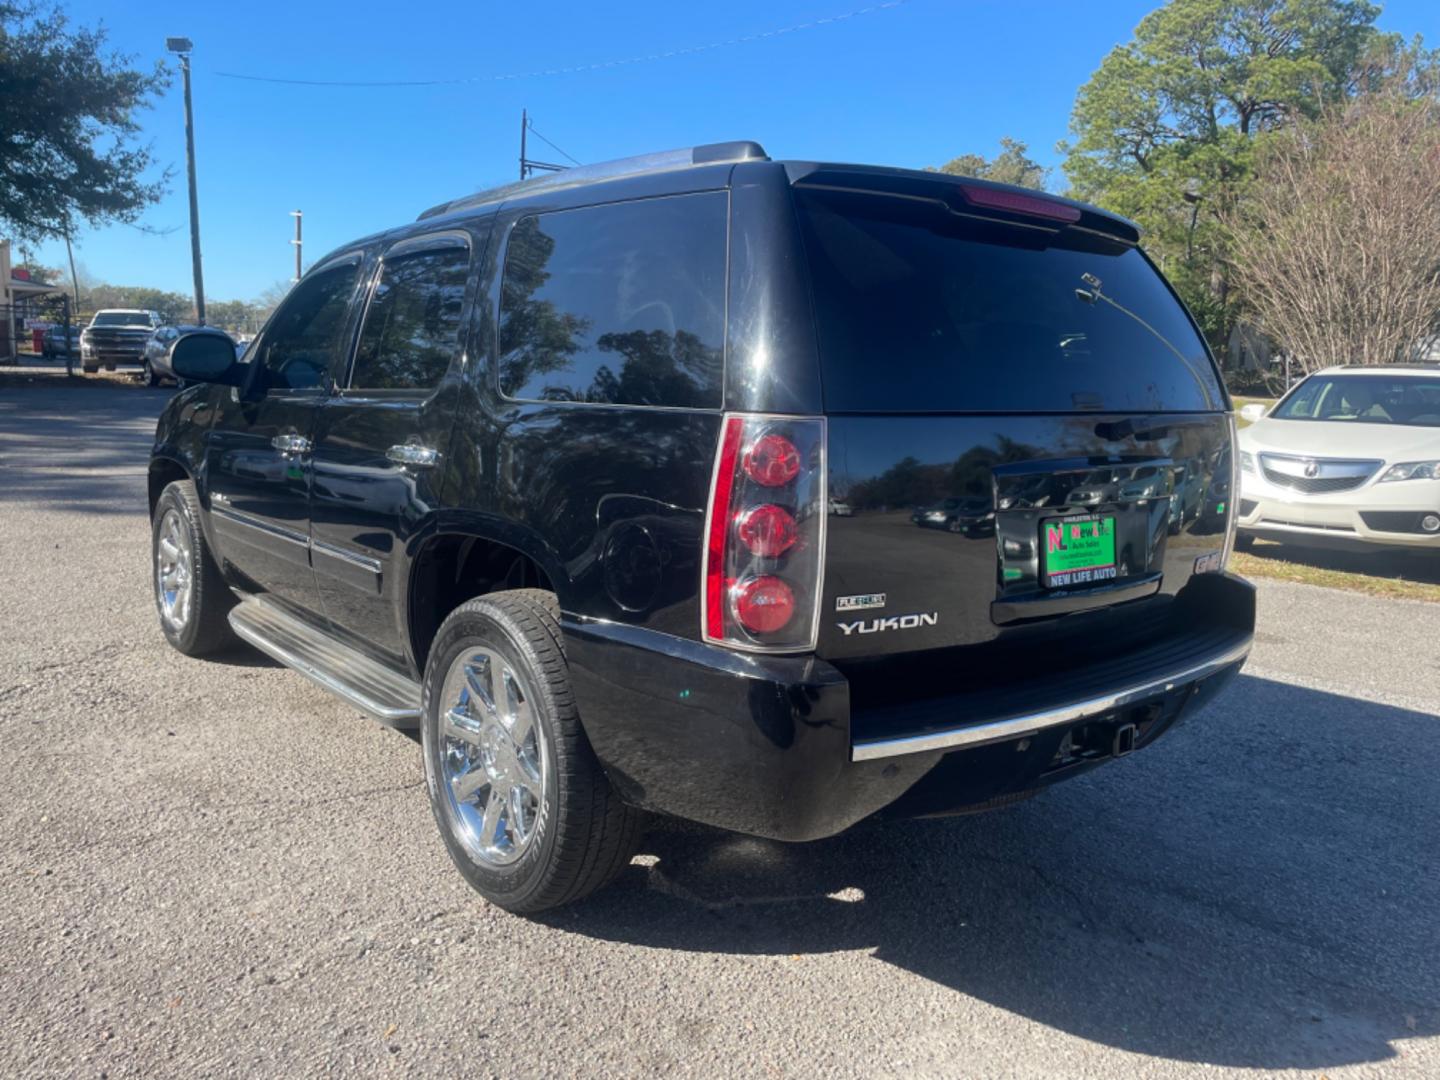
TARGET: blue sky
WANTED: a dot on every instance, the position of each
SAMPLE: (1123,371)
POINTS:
(913,85)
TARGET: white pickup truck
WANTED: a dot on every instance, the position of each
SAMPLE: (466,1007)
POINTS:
(117,336)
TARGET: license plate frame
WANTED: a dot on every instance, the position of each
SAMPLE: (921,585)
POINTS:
(1082,553)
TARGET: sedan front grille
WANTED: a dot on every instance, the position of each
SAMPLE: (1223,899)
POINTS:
(1316,476)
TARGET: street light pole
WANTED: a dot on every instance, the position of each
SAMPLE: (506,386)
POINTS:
(182,46)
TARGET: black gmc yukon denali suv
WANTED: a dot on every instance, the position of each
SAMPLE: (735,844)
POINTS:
(617,482)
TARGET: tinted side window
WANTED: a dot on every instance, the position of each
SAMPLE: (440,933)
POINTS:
(304,333)
(620,304)
(412,327)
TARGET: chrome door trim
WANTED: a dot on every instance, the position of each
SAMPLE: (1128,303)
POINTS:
(268,528)
(345,555)
(1016,727)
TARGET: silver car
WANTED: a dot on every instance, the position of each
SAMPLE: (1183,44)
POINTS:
(157,351)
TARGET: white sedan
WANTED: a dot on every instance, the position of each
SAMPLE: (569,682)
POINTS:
(1349,456)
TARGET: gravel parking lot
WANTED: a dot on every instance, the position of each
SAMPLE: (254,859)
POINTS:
(214,868)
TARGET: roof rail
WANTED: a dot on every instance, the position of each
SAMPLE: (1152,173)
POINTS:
(664,161)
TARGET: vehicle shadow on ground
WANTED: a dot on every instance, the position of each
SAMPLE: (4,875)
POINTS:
(1398,565)
(1228,901)
(84,452)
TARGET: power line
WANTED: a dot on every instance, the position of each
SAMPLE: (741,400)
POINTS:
(690,50)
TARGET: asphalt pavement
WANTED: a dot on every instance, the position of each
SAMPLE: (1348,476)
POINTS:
(213,868)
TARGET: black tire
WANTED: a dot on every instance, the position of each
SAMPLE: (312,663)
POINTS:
(1244,541)
(89,369)
(151,379)
(585,835)
(205,629)
(110,367)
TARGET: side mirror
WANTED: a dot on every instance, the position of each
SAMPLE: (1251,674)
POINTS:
(206,358)
(1252,412)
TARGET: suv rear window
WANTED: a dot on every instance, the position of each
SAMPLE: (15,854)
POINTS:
(922,310)
(619,304)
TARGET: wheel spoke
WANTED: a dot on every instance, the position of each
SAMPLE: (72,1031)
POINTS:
(495,816)
(514,702)
(479,680)
(519,812)
(522,727)
(169,550)
(466,785)
(456,724)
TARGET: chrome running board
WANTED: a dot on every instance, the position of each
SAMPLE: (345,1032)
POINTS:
(370,686)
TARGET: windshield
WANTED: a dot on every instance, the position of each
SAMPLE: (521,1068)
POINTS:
(921,310)
(1365,399)
(121,318)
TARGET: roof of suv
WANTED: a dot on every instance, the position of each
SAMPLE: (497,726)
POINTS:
(749,151)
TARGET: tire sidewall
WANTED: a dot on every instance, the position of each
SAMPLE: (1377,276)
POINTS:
(480,624)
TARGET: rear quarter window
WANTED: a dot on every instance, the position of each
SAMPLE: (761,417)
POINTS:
(619,304)
(919,309)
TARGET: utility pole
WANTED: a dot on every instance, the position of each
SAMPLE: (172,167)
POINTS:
(74,281)
(297,215)
(183,47)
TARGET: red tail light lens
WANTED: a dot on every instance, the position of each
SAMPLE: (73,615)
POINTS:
(765,534)
(772,460)
(764,605)
(767,530)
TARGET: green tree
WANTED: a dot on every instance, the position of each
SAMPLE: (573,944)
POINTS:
(175,307)
(69,145)
(1177,111)
(1013,165)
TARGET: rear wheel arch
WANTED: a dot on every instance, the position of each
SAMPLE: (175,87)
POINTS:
(453,567)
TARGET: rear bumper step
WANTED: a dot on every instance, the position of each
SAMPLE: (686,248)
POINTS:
(368,685)
(1220,656)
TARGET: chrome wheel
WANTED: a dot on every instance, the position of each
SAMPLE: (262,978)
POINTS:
(492,757)
(173,569)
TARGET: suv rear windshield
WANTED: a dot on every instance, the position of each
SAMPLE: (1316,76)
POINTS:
(121,318)
(920,309)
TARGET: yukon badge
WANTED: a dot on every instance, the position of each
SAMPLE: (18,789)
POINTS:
(893,622)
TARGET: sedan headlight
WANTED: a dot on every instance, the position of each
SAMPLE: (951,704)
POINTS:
(1247,461)
(1411,470)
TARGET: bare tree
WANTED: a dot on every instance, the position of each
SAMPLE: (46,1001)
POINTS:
(1337,246)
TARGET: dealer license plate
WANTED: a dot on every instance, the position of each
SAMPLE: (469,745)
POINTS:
(1077,550)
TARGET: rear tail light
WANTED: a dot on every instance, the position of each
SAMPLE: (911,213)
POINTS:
(765,534)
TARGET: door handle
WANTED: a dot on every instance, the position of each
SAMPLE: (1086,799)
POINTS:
(413,455)
(291,444)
